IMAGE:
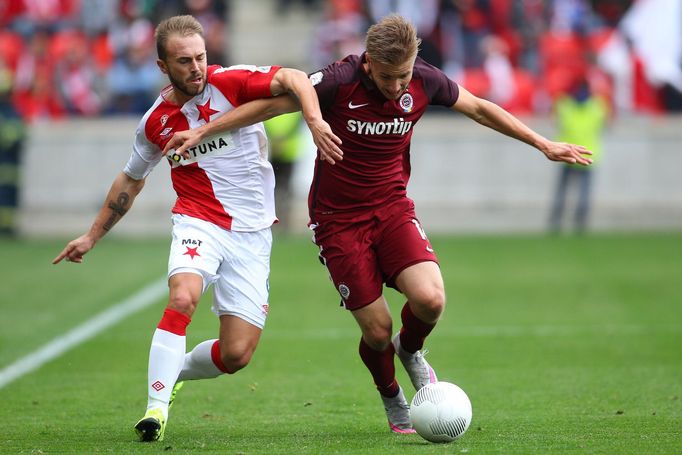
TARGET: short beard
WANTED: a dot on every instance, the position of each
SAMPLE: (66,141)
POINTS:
(177,86)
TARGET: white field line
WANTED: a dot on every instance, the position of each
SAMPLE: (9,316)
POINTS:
(502,331)
(90,328)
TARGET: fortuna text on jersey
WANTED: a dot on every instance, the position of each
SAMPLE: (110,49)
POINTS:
(397,126)
(213,146)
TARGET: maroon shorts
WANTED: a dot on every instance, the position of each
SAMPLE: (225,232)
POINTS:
(364,251)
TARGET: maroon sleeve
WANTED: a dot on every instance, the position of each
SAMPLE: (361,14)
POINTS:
(327,80)
(325,85)
(438,87)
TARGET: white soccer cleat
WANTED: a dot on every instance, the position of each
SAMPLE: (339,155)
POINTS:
(417,367)
(398,413)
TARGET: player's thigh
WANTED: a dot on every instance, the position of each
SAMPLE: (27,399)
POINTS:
(403,243)
(242,286)
(195,248)
(346,250)
(421,282)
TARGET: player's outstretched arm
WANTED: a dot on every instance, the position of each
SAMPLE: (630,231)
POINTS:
(121,195)
(297,83)
(244,115)
(493,116)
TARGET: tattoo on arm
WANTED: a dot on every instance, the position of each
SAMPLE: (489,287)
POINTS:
(118,209)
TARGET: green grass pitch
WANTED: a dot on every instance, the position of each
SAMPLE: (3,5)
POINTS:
(564,345)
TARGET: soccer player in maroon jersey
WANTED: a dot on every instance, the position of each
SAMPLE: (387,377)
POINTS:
(222,215)
(363,221)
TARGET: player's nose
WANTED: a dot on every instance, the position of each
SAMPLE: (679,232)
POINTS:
(394,87)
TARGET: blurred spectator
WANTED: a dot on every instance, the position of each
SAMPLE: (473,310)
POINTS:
(11,48)
(36,57)
(464,26)
(424,16)
(211,16)
(570,17)
(498,69)
(523,54)
(52,15)
(12,134)
(581,118)
(499,81)
(529,20)
(130,27)
(95,16)
(134,79)
(10,10)
(39,100)
(76,80)
(340,33)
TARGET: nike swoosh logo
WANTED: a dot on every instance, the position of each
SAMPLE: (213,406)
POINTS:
(355,106)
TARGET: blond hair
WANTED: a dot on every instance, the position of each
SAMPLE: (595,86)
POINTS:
(176,25)
(392,41)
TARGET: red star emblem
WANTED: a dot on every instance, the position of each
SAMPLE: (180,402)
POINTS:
(191,252)
(205,111)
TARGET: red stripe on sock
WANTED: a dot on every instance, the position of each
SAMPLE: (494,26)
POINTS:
(380,365)
(414,330)
(215,356)
(174,322)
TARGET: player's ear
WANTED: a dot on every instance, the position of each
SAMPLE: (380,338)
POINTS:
(162,66)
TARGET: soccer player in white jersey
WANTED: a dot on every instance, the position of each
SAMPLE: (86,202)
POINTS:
(224,209)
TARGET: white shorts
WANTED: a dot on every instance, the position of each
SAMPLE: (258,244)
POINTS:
(236,263)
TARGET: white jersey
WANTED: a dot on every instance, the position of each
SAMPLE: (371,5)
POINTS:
(228,179)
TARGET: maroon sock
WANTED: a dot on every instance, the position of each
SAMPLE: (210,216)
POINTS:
(380,364)
(414,331)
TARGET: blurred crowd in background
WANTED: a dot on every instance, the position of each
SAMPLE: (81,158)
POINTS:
(525,54)
(97,57)
(93,57)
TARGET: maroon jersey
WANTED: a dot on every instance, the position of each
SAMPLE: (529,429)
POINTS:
(376,134)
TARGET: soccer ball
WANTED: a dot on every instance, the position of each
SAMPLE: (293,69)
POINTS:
(440,412)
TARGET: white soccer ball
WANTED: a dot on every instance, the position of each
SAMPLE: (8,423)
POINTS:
(440,412)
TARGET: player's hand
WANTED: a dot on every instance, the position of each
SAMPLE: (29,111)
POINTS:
(568,153)
(75,250)
(326,141)
(181,141)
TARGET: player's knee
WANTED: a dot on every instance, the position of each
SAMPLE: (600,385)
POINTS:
(182,301)
(236,358)
(430,304)
(377,337)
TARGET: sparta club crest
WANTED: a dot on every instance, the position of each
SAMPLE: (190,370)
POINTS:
(406,102)
(344,291)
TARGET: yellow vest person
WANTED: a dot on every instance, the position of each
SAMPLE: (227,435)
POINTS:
(581,118)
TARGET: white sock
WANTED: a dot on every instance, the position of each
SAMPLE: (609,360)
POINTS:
(166,357)
(199,363)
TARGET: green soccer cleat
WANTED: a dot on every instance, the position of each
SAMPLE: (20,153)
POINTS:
(176,389)
(152,426)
